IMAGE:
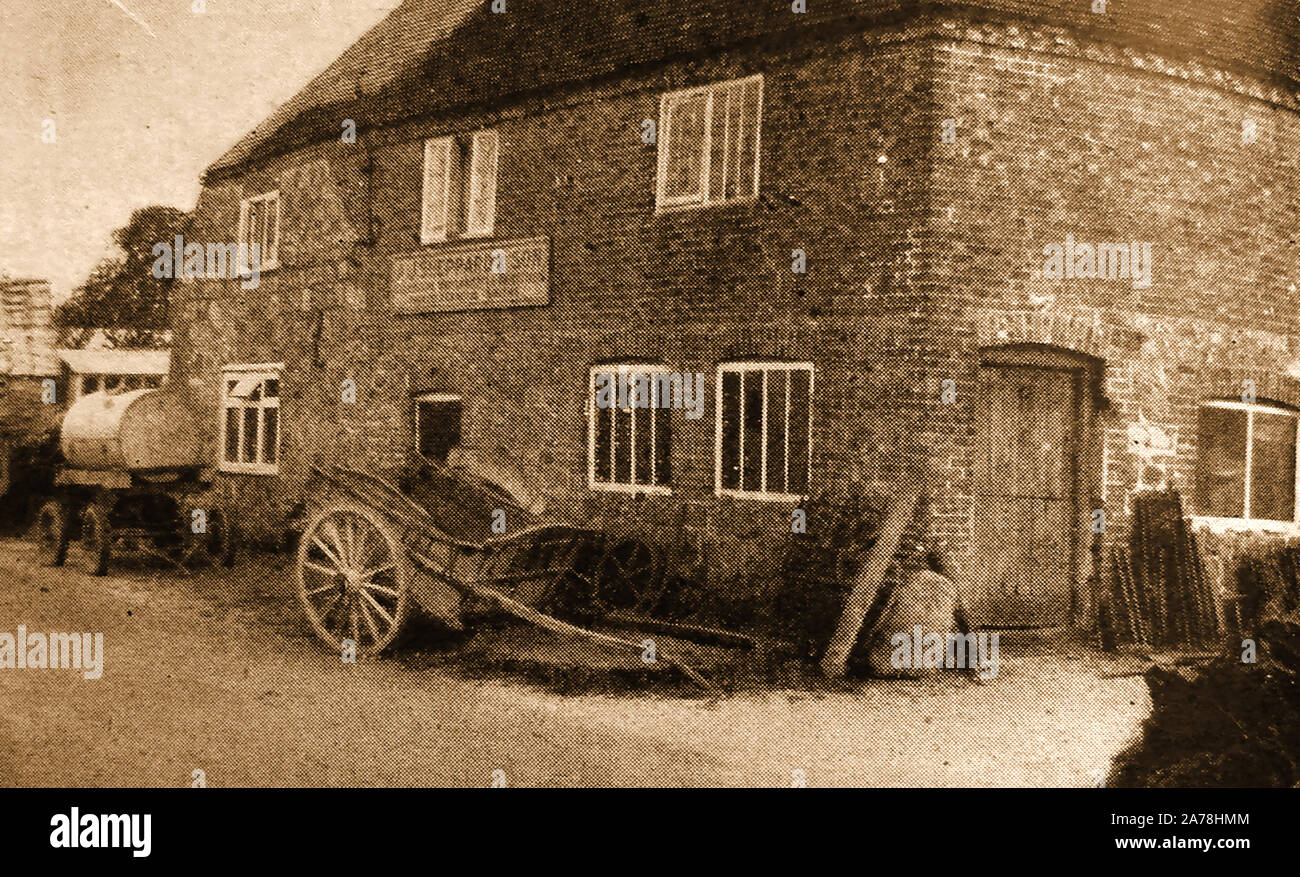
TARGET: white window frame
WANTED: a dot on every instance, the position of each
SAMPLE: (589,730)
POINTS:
(1246,521)
(431,397)
(767,368)
(663,201)
(622,370)
(269,251)
(464,170)
(259,372)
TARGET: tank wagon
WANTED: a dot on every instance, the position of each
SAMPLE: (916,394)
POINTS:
(134,475)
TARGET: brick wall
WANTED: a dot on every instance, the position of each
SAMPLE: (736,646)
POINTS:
(921,253)
(1061,136)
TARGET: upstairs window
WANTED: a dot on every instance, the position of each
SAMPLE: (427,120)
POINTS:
(709,144)
(1246,462)
(250,419)
(259,223)
(629,430)
(460,187)
(764,430)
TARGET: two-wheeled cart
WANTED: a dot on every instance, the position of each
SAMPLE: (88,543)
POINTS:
(371,555)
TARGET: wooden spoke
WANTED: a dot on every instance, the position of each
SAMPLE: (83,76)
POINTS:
(367,575)
(387,592)
(370,622)
(378,608)
(338,562)
(322,570)
(342,551)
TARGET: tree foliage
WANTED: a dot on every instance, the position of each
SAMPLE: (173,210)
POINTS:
(122,299)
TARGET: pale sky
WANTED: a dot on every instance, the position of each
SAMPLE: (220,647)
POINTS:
(138,116)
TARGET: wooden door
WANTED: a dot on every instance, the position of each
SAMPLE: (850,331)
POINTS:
(1025,526)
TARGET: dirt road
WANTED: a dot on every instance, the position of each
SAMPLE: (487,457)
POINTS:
(216,671)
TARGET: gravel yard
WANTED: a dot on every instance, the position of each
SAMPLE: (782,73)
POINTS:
(216,671)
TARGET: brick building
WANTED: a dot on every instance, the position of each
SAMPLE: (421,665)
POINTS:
(504,227)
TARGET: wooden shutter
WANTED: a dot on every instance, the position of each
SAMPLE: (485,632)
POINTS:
(437,189)
(483,184)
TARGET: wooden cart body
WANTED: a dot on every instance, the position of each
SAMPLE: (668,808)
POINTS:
(372,555)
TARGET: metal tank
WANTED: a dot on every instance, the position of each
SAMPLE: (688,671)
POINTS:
(140,431)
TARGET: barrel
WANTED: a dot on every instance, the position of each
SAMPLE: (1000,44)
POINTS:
(144,430)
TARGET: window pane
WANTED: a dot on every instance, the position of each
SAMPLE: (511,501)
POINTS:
(744,146)
(751,464)
(1221,463)
(725,105)
(685,164)
(663,447)
(602,472)
(776,396)
(730,463)
(250,436)
(1272,468)
(232,435)
(271,388)
(439,428)
(269,251)
(90,384)
(270,426)
(642,430)
(254,231)
(800,435)
(622,446)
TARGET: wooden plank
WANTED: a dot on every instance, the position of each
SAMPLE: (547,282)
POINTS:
(867,582)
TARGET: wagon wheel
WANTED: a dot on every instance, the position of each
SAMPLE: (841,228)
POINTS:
(354,578)
(51,532)
(96,538)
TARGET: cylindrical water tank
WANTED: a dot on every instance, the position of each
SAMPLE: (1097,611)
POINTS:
(142,430)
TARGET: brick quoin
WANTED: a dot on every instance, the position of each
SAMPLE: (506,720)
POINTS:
(1117,127)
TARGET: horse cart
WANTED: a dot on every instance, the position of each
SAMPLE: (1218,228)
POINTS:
(133,475)
(375,551)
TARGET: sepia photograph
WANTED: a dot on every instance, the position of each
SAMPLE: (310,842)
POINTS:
(869,394)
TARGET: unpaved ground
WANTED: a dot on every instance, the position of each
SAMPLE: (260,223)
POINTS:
(216,671)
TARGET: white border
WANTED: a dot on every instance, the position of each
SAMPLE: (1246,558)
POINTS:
(617,487)
(665,204)
(1246,522)
(270,260)
(265,371)
(764,366)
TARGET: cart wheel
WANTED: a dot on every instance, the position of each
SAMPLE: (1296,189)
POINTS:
(51,532)
(354,578)
(96,537)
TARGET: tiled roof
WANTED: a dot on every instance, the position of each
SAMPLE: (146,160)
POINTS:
(431,56)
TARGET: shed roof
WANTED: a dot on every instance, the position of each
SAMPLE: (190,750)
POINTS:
(117,362)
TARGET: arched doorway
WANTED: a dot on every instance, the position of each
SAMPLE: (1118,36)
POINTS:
(1036,465)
